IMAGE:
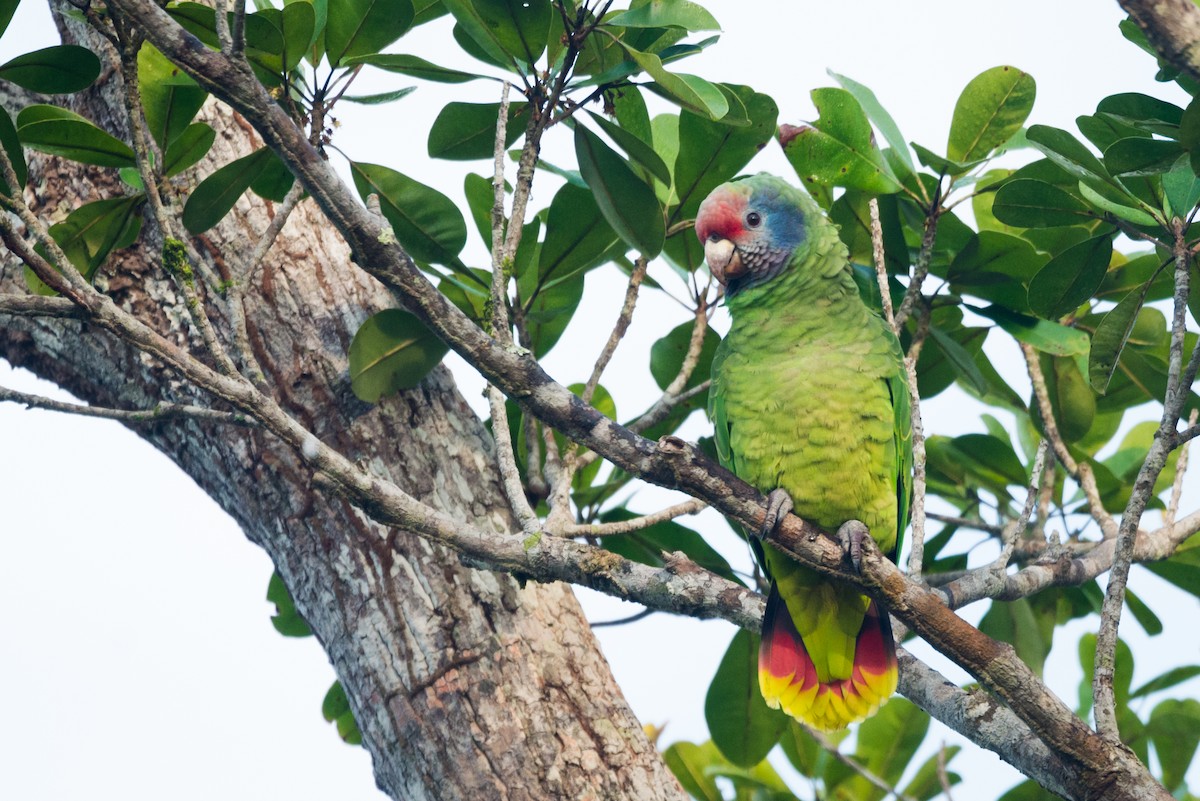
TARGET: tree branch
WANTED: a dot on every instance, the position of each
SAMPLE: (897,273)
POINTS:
(163,411)
(1172,28)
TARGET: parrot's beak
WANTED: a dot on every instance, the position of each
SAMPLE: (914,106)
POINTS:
(724,260)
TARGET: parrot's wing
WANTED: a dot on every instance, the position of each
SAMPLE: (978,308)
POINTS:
(716,410)
(903,445)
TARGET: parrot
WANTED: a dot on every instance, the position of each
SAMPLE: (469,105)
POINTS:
(810,405)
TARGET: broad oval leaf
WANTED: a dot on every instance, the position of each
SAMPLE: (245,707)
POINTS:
(1174,728)
(577,235)
(216,195)
(1110,337)
(90,233)
(666,14)
(634,147)
(550,310)
(170,98)
(1181,186)
(877,114)
(1136,155)
(64,133)
(742,726)
(668,353)
(188,148)
(464,131)
(838,149)
(690,91)
(693,765)
(426,223)
(625,200)
(502,30)
(53,70)
(362,27)
(391,351)
(1029,203)
(1070,278)
(992,107)
(1044,335)
(1071,398)
(997,267)
(414,67)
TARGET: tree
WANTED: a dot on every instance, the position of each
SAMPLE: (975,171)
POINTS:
(216,344)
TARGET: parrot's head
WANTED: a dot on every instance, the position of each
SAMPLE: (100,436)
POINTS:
(750,229)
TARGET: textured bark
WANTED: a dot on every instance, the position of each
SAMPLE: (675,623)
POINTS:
(1172,27)
(465,684)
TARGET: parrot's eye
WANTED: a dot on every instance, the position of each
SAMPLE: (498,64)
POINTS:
(754,219)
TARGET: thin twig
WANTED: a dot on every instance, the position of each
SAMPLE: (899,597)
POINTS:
(162,411)
(1014,530)
(1105,709)
(501,256)
(917,553)
(1080,471)
(943,775)
(618,331)
(966,522)
(924,256)
(855,765)
(881,273)
(1181,466)
(689,507)
(621,621)
(38,306)
(507,464)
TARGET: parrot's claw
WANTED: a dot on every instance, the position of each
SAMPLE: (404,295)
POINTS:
(779,504)
(851,535)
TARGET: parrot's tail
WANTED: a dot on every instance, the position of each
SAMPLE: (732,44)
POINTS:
(788,679)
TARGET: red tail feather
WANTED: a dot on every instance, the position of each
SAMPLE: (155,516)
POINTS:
(788,678)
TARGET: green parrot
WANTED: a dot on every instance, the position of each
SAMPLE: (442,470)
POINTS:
(810,405)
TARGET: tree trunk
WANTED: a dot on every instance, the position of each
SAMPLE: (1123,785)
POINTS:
(465,684)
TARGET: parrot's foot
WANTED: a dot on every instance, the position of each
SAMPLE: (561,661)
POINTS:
(851,536)
(779,504)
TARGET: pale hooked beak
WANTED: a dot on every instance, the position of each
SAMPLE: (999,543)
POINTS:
(724,260)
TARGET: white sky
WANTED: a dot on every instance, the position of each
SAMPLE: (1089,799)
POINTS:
(138,656)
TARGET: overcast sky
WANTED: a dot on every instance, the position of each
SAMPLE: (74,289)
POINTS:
(138,659)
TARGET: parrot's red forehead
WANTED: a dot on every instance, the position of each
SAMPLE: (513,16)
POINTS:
(722,213)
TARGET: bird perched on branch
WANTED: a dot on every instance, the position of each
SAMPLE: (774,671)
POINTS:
(810,405)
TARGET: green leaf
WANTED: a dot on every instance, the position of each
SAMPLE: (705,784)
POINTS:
(1174,728)
(996,266)
(838,150)
(297,24)
(335,708)
(1182,188)
(64,133)
(264,38)
(550,310)
(170,97)
(879,116)
(1069,153)
(666,14)
(1143,614)
(12,147)
(90,233)
(959,358)
(7,9)
(1046,336)
(464,131)
(742,726)
(992,458)
(519,27)
(886,745)
(286,620)
(427,223)
(668,353)
(363,27)
(1071,398)
(380,98)
(1015,622)
(708,153)
(414,67)
(624,199)
(1165,681)
(391,351)
(648,545)
(577,235)
(1028,203)
(274,181)
(188,148)
(53,70)
(1134,215)
(1110,337)
(935,370)
(942,165)
(1122,672)
(992,107)
(693,766)
(1137,155)
(1182,570)
(1149,113)
(1070,278)
(690,91)
(216,195)
(634,147)
(926,782)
